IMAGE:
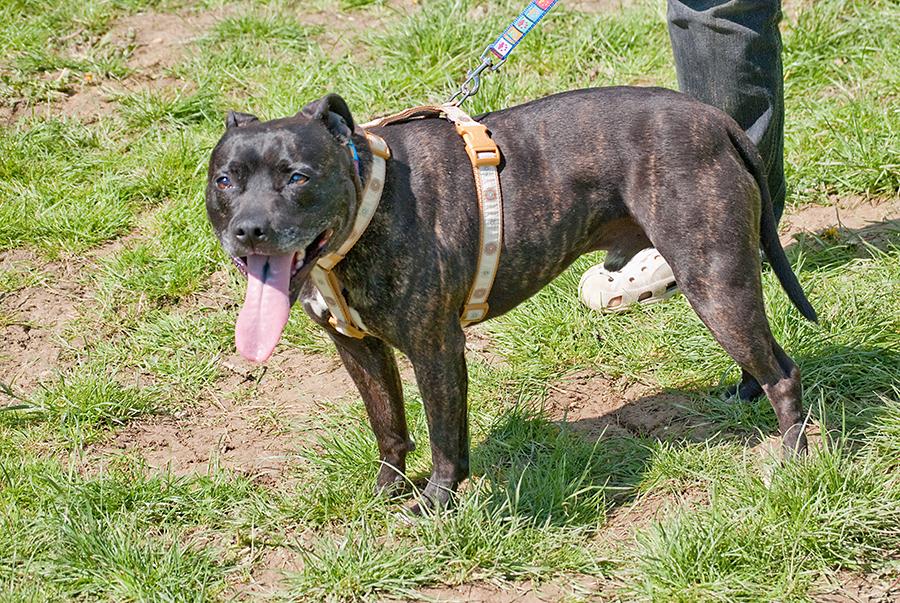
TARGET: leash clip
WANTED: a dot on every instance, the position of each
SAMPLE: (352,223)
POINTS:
(473,80)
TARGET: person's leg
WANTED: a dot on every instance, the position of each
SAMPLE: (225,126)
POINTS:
(727,54)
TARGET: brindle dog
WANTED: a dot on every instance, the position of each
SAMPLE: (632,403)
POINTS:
(619,169)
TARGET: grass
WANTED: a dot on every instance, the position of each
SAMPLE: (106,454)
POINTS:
(168,264)
(759,541)
(121,195)
(839,136)
(120,536)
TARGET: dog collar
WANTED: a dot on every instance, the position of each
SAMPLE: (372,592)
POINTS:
(343,317)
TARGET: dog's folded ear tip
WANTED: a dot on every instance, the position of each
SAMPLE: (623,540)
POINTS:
(330,103)
(236,119)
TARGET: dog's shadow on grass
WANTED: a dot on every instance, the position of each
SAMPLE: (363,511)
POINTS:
(576,468)
(844,388)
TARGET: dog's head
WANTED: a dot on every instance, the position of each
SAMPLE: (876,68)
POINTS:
(279,194)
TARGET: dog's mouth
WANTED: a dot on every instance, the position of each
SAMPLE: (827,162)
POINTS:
(301,259)
(273,282)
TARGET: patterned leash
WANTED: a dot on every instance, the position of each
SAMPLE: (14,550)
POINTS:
(501,48)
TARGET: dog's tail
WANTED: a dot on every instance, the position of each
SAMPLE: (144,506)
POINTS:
(768,232)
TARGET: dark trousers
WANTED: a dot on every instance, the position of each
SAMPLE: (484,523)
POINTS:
(728,54)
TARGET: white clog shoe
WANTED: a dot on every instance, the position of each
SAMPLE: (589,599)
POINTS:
(646,279)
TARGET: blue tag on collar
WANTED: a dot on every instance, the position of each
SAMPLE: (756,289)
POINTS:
(355,154)
(353,150)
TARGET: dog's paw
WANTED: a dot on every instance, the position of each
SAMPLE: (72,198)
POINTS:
(391,482)
(433,499)
(794,445)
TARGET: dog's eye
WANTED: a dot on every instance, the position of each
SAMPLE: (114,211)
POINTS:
(298,178)
(223,182)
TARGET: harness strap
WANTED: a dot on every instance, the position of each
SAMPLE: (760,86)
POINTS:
(485,157)
(410,114)
(343,317)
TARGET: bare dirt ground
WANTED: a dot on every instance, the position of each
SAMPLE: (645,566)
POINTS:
(849,587)
(89,103)
(268,573)
(152,42)
(35,320)
(525,592)
(251,422)
(848,217)
(159,41)
(596,406)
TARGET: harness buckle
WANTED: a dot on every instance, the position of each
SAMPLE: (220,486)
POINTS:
(378,146)
(481,148)
(346,328)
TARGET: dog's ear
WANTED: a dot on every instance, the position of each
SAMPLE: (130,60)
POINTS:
(334,113)
(236,119)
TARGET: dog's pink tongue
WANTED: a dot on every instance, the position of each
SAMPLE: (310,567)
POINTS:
(266,307)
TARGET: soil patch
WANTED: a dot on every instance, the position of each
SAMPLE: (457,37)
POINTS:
(523,592)
(625,521)
(89,102)
(846,587)
(81,97)
(267,574)
(154,42)
(871,220)
(480,346)
(34,319)
(253,424)
(597,406)
(158,41)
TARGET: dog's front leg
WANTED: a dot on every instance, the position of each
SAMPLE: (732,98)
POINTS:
(440,366)
(373,368)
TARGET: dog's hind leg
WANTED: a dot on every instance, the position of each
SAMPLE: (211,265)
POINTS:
(373,368)
(748,389)
(726,292)
(706,223)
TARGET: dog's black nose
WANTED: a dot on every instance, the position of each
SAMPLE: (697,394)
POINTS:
(251,232)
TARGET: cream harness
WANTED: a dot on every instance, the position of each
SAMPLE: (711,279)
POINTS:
(484,156)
